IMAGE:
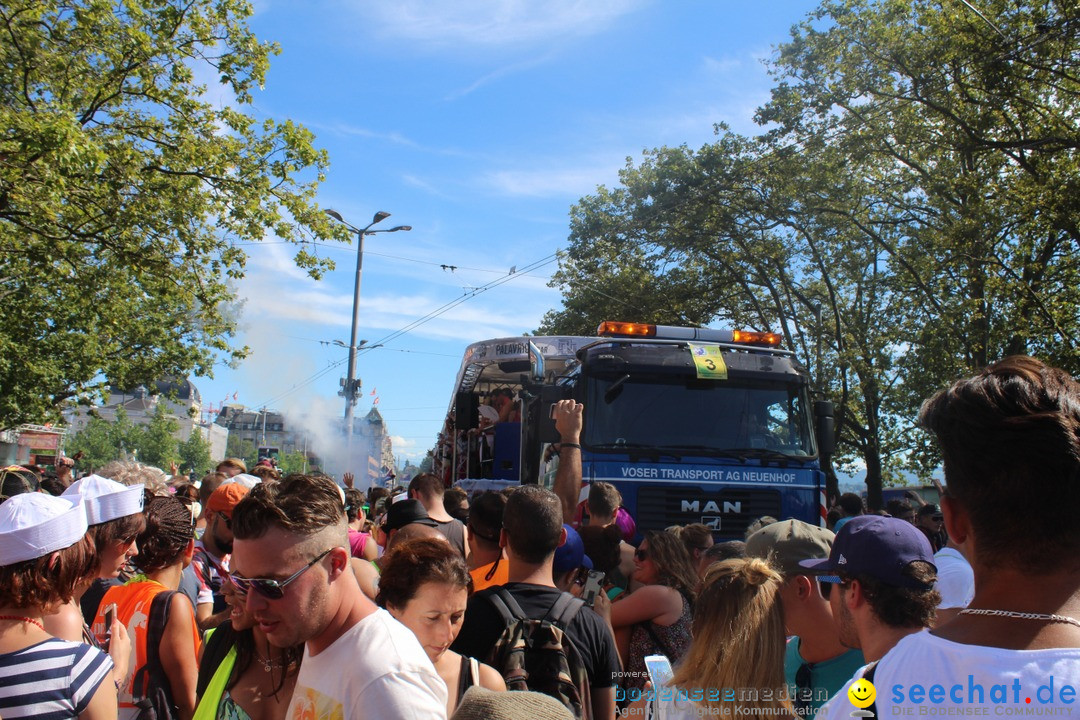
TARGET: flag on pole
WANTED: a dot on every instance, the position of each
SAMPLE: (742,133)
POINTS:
(375,401)
(374,392)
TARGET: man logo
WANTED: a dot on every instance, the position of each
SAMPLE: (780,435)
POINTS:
(694,506)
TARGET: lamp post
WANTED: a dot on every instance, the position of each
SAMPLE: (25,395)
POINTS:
(350,390)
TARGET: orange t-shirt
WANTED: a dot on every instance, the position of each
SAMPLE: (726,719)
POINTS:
(133,603)
(501,576)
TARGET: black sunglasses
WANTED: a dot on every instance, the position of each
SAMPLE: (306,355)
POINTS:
(272,589)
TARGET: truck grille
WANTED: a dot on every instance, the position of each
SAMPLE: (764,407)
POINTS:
(728,511)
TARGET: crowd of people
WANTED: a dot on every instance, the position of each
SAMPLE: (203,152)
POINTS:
(131,593)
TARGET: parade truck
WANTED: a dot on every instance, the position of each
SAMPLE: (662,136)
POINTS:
(692,425)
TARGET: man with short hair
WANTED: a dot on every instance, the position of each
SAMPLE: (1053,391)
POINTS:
(231,467)
(852,506)
(816,663)
(886,589)
(603,503)
(211,559)
(532,531)
(1010,431)
(929,519)
(429,490)
(291,558)
(901,510)
(401,514)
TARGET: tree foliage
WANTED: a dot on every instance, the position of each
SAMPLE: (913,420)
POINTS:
(195,453)
(127,192)
(159,446)
(154,443)
(237,447)
(912,207)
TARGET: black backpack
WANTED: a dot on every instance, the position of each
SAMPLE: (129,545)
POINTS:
(150,687)
(538,655)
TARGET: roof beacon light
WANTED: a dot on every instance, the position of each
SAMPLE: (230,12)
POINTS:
(611,328)
(753,337)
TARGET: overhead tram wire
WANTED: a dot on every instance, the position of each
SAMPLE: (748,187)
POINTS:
(415,324)
(371,252)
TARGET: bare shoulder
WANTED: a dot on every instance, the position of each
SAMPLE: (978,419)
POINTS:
(490,678)
(66,623)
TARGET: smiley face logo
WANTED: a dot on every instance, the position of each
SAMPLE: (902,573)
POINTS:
(862,693)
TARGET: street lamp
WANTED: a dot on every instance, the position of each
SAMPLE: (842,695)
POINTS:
(350,389)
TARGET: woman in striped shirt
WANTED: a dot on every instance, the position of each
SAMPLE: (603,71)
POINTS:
(44,553)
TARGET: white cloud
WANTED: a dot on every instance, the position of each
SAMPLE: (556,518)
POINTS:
(723,66)
(569,182)
(500,73)
(492,23)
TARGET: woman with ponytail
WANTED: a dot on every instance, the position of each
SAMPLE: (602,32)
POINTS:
(735,663)
(165,549)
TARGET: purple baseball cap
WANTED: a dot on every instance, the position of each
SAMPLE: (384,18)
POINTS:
(880,547)
(571,554)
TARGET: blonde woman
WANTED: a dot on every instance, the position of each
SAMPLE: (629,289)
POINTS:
(735,663)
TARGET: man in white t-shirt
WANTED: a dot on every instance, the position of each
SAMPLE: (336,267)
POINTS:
(1007,434)
(291,557)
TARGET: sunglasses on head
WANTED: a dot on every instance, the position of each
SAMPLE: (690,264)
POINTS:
(272,589)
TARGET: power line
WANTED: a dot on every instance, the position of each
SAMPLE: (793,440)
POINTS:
(343,248)
(415,324)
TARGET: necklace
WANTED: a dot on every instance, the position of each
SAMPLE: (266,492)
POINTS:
(1021,615)
(32,621)
(269,664)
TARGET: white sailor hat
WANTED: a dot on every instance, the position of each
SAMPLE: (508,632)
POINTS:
(106,499)
(32,525)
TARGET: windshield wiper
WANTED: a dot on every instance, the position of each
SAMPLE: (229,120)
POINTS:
(764,454)
(615,390)
(634,449)
(707,450)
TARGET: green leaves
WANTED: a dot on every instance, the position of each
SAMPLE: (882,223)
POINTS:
(912,208)
(124,193)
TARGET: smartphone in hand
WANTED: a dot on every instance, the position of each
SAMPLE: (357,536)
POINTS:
(593,585)
(110,616)
(659,668)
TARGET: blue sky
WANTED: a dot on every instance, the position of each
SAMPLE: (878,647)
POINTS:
(479,124)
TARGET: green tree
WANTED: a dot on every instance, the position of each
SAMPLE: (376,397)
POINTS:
(127,194)
(293,462)
(96,442)
(963,121)
(159,446)
(912,208)
(195,453)
(243,449)
(127,437)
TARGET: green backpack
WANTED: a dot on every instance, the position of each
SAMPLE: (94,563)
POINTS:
(538,655)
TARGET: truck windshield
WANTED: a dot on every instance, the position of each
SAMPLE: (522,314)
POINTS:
(690,416)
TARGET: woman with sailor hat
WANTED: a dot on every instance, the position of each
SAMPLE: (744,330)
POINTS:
(44,554)
(114,513)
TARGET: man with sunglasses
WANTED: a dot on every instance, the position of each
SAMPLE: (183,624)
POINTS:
(816,663)
(211,559)
(886,591)
(291,558)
